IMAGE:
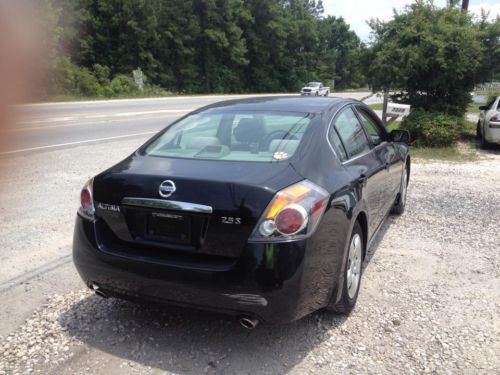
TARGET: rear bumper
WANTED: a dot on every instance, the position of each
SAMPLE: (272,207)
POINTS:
(277,283)
(492,132)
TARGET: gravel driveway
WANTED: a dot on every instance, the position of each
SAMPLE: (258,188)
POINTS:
(429,303)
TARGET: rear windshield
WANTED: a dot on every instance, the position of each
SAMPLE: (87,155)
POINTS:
(235,136)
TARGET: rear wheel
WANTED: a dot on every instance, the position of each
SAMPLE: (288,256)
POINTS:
(352,273)
(478,130)
(327,93)
(400,204)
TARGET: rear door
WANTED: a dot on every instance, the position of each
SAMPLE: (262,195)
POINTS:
(351,143)
(386,152)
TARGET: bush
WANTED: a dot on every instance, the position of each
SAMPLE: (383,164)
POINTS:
(120,85)
(433,129)
(86,84)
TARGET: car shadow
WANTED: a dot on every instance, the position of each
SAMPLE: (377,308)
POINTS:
(192,342)
(389,220)
(492,149)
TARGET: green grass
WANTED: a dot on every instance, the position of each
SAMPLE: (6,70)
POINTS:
(473,107)
(377,106)
(77,98)
(460,152)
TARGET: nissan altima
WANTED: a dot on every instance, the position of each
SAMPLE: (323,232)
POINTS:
(260,208)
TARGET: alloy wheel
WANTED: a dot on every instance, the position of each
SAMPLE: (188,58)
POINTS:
(354,265)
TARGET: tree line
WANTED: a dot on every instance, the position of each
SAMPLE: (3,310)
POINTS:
(199,46)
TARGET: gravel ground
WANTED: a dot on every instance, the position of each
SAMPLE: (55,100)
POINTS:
(429,303)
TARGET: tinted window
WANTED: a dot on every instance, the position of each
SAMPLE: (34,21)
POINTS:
(237,136)
(371,128)
(351,133)
(337,144)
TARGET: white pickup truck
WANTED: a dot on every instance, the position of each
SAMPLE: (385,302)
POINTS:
(315,89)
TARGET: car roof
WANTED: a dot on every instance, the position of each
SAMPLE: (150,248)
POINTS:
(279,103)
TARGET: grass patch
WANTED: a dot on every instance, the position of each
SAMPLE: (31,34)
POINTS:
(140,95)
(460,152)
(474,107)
(377,106)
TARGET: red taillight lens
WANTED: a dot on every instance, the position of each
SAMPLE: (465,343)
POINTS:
(495,118)
(86,199)
(291,219)
(293,213)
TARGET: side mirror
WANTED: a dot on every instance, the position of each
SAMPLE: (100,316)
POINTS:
(399,135)
(483,108)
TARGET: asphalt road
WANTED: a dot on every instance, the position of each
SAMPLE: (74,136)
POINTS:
(56,125)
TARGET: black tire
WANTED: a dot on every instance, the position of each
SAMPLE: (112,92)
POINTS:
(478,130)
(327,93)
(399,205)
(317,93)
(348,299)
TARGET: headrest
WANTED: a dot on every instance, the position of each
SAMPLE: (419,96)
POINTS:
(249,130)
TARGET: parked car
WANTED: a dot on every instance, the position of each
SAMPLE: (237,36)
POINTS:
(315,89)
(260,208)
(488,125)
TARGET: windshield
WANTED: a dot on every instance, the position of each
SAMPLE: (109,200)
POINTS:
(314,84)
(235,136)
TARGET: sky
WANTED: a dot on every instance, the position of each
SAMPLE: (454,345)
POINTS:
(357,12)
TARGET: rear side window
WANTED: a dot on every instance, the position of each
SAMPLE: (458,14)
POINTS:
(337,144)
(236,136)
(351,133)
(371,128)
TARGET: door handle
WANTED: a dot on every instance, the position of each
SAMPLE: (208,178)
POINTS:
(362,180)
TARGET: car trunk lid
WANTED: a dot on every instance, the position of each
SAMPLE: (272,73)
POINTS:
(213,209)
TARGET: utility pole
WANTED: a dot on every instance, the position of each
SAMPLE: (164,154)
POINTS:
(465,4)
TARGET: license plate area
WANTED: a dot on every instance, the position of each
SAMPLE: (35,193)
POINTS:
(168,227)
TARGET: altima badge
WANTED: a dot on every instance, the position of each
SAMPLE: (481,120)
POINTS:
(167,188)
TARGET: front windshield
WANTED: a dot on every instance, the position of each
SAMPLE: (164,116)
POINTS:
(313,84)
(236,136)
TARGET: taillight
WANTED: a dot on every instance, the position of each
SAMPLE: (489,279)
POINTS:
(86,201)
(293,213)
(495,118)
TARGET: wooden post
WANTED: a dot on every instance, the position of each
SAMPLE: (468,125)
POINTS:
(384,107)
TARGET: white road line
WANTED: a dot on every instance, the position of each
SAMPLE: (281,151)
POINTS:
(74,143)
(54,119)
(152,112)
(122,114)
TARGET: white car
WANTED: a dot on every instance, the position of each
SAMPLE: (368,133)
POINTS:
(488,126)
(315,89)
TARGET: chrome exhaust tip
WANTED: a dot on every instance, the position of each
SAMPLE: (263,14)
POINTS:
(97,290)
(248,322)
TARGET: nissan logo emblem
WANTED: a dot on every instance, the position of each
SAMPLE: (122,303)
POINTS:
(167,188)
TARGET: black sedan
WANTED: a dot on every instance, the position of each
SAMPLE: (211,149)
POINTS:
(260,208)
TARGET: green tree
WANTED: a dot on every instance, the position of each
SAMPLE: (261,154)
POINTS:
(432,55)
